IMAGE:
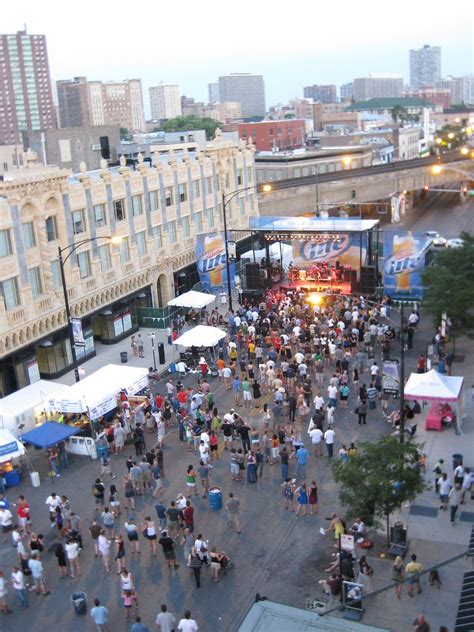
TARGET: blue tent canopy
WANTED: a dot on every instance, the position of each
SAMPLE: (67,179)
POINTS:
(48,434)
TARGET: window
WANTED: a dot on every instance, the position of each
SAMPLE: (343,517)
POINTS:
(183,193)
(84,262)
(210,217)
(56,272)
(51,228)
(141,243)
(169,196)
(137,206)
(9,292)
(208,186)
(197,189)
(198,220)
(119,210)
(186,227)
(305,171)
(124,250)
(78,223)
(297,172)
(172,232)
(5,243)
(99,214)
(29,235)
(240,177)
(34,276)
(104,257)
(158,237)
(154,203)
(250,202)
(241,206)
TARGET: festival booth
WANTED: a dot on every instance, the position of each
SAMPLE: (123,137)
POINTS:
(23,410)
(441,390)
(10,449)
(194,302)
(94,397)
(198,340)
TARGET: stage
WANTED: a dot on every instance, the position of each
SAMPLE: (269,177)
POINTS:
(314,286)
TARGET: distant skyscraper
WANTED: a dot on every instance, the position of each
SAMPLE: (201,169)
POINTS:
(213,89)
(26,97)
(245,88)
(85,103)
(346,91)
(425,66)
(375,86)
(461,88)
(320,94)
(165,101)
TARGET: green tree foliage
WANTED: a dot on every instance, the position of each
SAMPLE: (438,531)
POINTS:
(449,286)
(191,122)
(124,133)
(379,479)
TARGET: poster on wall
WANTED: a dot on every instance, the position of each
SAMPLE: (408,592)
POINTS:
(118,326)
(127,321)
(391,376)
(346,248)
(404,259)
(33,371)
(211,262)
(77,332)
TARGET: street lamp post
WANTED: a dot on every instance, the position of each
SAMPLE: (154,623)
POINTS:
(62,260)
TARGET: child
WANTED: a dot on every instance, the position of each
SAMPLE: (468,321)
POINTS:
(129,600)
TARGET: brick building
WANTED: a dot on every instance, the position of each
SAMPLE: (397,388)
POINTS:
(271,135)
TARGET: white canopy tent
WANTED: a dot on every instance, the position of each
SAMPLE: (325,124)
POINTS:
(98,392)
(200,336)
(192,300)
(433,386)
(10,447)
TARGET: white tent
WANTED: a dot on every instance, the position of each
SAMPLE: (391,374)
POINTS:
(192,299)
(200,336)
(98,392)
(17,411)
(10,447)
(433,386)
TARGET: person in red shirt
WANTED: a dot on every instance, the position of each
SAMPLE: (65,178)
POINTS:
(421,364)
(23,511)
(159,401)
(182,398)
(188,516)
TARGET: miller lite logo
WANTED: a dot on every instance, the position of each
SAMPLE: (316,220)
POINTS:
(211,260)
(397,265)
(323,250)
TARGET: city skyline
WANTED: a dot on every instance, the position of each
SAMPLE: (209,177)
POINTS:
(336,55)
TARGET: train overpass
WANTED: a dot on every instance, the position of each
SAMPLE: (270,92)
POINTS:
(297,196)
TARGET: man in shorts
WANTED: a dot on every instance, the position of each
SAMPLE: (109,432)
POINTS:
(233,508)
(413,570)
(173,518)
(167,545)
(36,568)
(6,520)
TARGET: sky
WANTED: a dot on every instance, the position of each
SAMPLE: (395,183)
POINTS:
(292,45)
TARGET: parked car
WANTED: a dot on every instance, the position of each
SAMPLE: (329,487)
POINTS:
(455,243)
(436,239)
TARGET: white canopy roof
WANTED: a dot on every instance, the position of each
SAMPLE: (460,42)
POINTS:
(29,397)
(190,299)
(10,447)
(201,336)
(98,392)
(433,386)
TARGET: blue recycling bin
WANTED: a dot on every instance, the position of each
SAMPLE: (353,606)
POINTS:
(215,498)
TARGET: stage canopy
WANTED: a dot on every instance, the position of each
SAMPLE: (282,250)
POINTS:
(200,336)
(10,448)
(192,299)
(433,386)
(311,225)
(50,433)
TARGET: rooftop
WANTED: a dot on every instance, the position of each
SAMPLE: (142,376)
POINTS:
(388,103)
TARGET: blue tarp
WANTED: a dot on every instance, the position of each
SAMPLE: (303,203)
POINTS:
(50,433)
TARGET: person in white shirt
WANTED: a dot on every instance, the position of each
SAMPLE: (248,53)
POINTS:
(187,624)
(318,402)
(467,482)
(299,357)
(332,395)
(72,552)
(374,369)
(53,501)
(6,521)
(18,581)
(316,436)
(330,416)
(444,485)
(37,574)
(329,436)
(165,620)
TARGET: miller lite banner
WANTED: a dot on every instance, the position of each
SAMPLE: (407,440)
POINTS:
(343,247)
(404,259)
(211,262)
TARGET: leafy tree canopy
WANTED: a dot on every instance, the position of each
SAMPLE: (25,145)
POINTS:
(191,122)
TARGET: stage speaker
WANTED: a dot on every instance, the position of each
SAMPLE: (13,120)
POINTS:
(161,352)
(253,276)
(367,280)
(347,275)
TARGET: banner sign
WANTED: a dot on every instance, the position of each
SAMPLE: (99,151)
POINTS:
(404,259)
(343,247)
(211,262)
(77,332)
(8,448)
(391,376)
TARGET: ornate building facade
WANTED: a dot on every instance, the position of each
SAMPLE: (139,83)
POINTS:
(156,210)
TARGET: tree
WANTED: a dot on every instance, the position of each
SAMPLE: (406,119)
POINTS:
(449,288)
(191,122)
(379,479)
(289,115)
(124,133)
(399,113)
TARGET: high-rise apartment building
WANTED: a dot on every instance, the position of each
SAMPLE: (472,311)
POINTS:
(213,91)
(247,89)
(377,86)
(165,101)
(425,66)
(320,94)
(461,88)
(346,91)
(85,103)
(26,97)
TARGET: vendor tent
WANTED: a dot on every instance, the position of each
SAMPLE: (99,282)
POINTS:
(10,448)
(192,299)
(17,411)
(97,394)
(48,434)
(200,336)
(433,386)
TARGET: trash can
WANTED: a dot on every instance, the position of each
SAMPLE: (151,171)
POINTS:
(123,357)
(457,460)
(35,479)
(215,498)
(79,600)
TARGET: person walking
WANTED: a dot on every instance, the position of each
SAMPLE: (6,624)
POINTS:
(397,575)
(167,544)
(103,544)
(444,486)
(454,499)
(37,573)
(187,624)
(119,552)
(129,492)
(288,489)
(19,586)
(165,621)
(72,552)
(329,437)
(313,498)
(251,468)
(149,531)
(301,459)
(413,570)
(99,615)
(284,463)
(301,498)
(361,411)
(108,522)
(131,529)
(195,564)
(233,508)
